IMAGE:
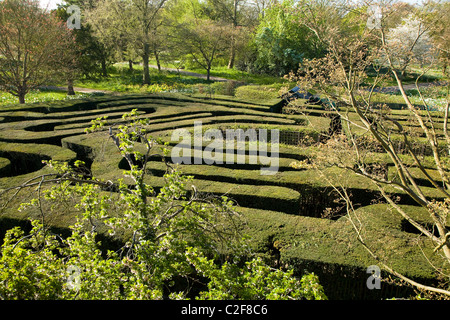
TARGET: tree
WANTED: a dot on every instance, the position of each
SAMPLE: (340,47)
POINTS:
(235,14)
(260,6)
(107,29)
(282,41)
(205,40)
(34,44)
(407,42)
(341,77)
(198,36)
(70,64)
(168,235)
(134,21)
(94,54)
(439,20)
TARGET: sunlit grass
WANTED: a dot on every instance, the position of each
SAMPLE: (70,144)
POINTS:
(121,79)
(242,76)
(230,74)
(39,96)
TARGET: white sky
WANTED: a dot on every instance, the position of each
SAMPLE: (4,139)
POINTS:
(52,4)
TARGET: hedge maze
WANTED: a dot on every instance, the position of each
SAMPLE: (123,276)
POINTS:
(292,216)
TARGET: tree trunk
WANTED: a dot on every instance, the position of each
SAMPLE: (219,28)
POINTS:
(232,55)
(208,72)
(104,69)
(158,63)
(21,92)
(130,65)
(70,90)
(403,74)
(233,40)
(145,58)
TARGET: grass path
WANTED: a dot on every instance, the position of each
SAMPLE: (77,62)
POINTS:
(76,89)
(192,74)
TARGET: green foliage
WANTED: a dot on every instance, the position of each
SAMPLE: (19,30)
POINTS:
(203,39)
(40,95)
(93,56)
(281,40)
(254,281)
(242,76)
(312,290)
(28,267)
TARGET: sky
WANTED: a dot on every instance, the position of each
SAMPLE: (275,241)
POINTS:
(52,4)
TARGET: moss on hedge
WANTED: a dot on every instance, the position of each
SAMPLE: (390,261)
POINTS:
(5,167)
(283,211)
(26,160)
(331,249)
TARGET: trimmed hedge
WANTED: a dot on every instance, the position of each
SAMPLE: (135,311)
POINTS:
(328,249)
(26,160)
(284,211)
(5,167)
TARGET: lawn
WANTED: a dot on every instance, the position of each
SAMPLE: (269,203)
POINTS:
(40,95)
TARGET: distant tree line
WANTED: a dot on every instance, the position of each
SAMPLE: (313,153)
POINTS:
(257,36)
